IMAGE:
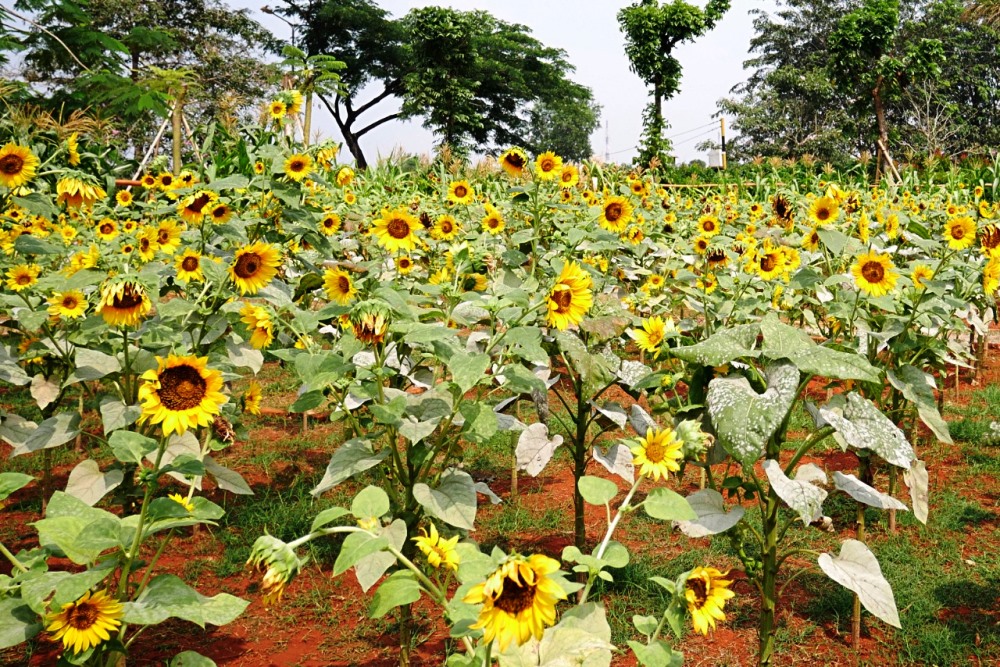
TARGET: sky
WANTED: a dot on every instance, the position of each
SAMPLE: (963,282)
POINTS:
(588,31)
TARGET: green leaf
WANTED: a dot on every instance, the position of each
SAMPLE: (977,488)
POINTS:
(167,596)
(400,588)
(74,528)
(131,447)
(782,341)
(745,420)
(597,490)
(89,484)
(17,622)
(327,517)
(918,388)
(526,343)
(12,481)
(593,369)
(357,546)
(802,496)
(519,380)
(453,501)
(244,355)
(27,437)
(353,457)
(191,659)
(712,515)
(722,347)
(667,505)
(657,654)
(115,414)
(370,569)
(467,370)
(226,479)
(371,502)
(93,365)
(480,422)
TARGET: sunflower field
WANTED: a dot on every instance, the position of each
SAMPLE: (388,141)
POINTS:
(646,336)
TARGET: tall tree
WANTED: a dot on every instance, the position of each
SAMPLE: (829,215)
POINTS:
(564,126)
(470,77)
(652,32)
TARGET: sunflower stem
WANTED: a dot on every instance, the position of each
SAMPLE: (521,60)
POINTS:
(612,525)
(12,558)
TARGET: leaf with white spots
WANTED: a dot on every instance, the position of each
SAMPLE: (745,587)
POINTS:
(743,419)
(617,460)
(612,411)
(918,388)
(857,570)
(712,515)
(535,448)
(722,347)
(916,480)
(804,497)
(632,372)
(782,341)
(863,426)
(866,494)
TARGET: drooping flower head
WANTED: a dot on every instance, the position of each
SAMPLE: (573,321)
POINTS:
(181,393)
(513,161)
(571,297)
(706,592)
(124,304)
(85,623)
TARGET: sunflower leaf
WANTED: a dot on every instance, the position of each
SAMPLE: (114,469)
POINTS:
(667,505)
(916,480)
(12,481)
(354,456)
(167,596)
(863,426)
(722,347)
(802,496)
(18,623)
(597,490)
(535,449)
(712,515)
(89,484)
(857,570)
(400,588)
(453,501)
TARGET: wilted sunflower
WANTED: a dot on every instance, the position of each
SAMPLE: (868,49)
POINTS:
(77,193)
(338,286)
(22,276)
(874,273)
(569,176)
(252,398)
(658,453)
(345,176)
(85,623)
(192,208)
(123,304)
(189,267)
(460,192)
(781,208)
(445,228)
(706,592)
(437,550)
(259,325)
(493,222)
(921,273)
(519,600)
(396,230)
(570,298)
(298,166)
(548,166)
(17,165)
(824,210)
(370,322)
(255,266)
(73,149)
(989,239)
(616,213)
(329,224)
(513,161)
(960,232)
(651,335)
(181,393)
(69,305)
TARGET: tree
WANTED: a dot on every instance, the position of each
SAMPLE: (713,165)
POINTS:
(652,31)
(564,127)
(469,76)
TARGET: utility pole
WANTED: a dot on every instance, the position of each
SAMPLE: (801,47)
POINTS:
(722,122)
(607,149)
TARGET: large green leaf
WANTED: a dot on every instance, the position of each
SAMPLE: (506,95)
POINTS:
(78,530)
(722,347)
(745,420)
(167,596)
(863,426)
(131,447)
(712,515)
(12,481)
(918,388)
(93,365)
(354,456)
(594,371)
(667,505)
(782,341)
(582,637)
(400,588)
(453,501)
(28,437)
(17,622)
(467,370)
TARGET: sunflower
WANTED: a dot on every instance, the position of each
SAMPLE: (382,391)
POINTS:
(566,196)
(259,168)
(633,235)
(991,276)
(259,324)
(22,276)
(438,551)
(192,208)
(254,266)
(548,166)
(73,149)
(519,600)
(874,273)
(345,176)
(148,181)
(960,232)
(810,241)
(298,166)
(781,208)
(404,264)
(986,210)
(77,193)
(338,286)
(569,176)
(350,198)
(651,335)
(493,222)
(460,192)
(616,213)
(920,274)
(474,282)
(824,210)
(706,593)
(182,501)
(17,165)
(396,230)
(370,322)
(181,393)
(123,304)
(165,181)
(68,233)
(708,225)
(707,283)
(189,267)
(329,224)
(85,623)
(220,213)
(277,109)
(701,245)
(123,198)
(989,239)
(892,225)
(295,101)
(168,236)
(252,398)
(570,298)
(658,453)
(147,243)
(445,228)
(768,261)
(70,305)
(513,161)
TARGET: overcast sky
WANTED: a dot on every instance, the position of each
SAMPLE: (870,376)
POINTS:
(587,30)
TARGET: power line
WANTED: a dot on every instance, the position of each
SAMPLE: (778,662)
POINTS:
(695,129)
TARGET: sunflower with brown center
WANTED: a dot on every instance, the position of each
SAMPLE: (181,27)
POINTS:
(989,240)
(768,261)
(658,453)
(960,232)
(255,266)
(461,192)
(252,398)
(493,222)
(181,393)
(445,228)
(708,225)
(123,304)
(338,286)
(513,161)
(85,623)
(616,213)
(548,166)
(396,230)
(298,166)
(569,176)
(571,297)
(189,267)
(824,210)
(259,325)
(22,276)
(874,273)
(69,305)
(706,592)
(193,207)
(17,165)
(519,600)
(329,224)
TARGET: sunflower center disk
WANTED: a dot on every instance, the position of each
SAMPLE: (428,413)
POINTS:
(768,262)
(82,616)
(11,164)
(181,388)
(613,212)
(344,284)
(515,597)
(247,265)
(128,299)
(655,452)
(700,589)
(190,263)
(563,298)
(460,191)
(398,229)
(873,272)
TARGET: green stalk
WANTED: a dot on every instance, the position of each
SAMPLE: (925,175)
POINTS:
(12,558)
(769,576)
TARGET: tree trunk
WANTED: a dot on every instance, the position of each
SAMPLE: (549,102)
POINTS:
(883,128)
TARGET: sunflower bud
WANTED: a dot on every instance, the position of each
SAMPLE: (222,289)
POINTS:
(279,563)
(370,321)
(696,441)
